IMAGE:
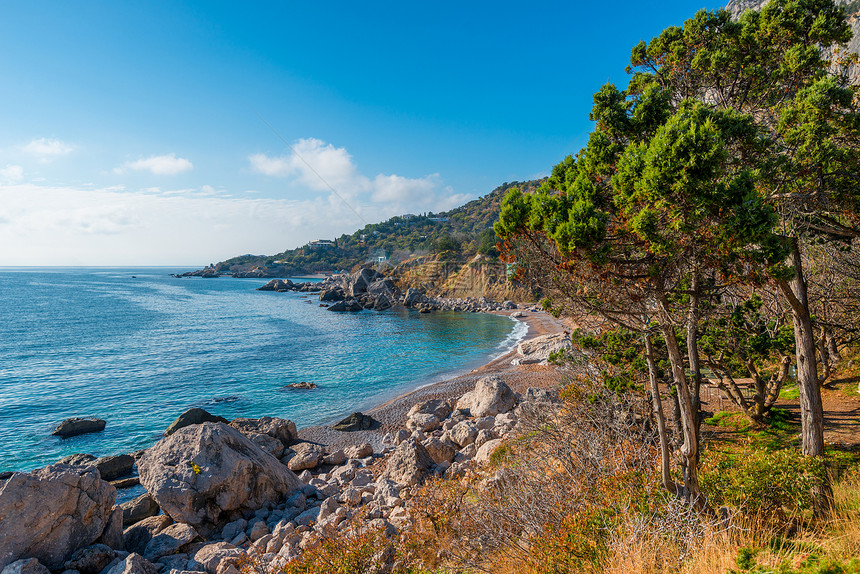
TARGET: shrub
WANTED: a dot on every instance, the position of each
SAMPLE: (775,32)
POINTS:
(770,485)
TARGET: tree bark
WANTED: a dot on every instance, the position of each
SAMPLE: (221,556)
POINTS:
(811,410)
(690,445)
(657,406)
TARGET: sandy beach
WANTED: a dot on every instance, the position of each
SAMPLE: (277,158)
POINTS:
(392,414)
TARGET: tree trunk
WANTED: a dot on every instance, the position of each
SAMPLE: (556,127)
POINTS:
(693,352)
(690,446)
(811,411)
(657,406)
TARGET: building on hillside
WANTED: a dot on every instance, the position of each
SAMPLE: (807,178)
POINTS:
(324,243)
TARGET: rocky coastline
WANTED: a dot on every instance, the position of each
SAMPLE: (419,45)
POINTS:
(219,491)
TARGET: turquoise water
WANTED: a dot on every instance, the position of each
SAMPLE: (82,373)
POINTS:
(138,352)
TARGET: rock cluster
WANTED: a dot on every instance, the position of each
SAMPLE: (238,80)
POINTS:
(284,285)
(219,492)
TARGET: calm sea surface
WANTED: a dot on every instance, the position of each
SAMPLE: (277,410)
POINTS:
(138,352)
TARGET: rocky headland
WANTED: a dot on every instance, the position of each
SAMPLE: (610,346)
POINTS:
(219,491)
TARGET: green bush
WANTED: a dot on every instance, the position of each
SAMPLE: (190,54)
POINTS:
(762,483)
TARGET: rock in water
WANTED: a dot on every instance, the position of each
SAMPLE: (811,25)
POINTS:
(113,467)
(51,512)
(356,422)
(76,426)
(193,416)
(202,471)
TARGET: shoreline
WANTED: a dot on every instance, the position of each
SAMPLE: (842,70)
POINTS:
(391,414)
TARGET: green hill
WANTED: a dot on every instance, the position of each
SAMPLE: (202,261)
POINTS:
(465,230)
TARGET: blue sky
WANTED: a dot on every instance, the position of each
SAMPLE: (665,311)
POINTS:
(153,133)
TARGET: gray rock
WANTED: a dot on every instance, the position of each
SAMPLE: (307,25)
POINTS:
(335,458)
(423,422)
(413,297)
(26,566)
(491,396)
(267,444)
(113,467)
(307,455)
(440,408)
(112,534)
(91,559)
(362,450)
(282,429)
(136,537)
(169,541)
(212,556)
(79,459)
(409,464)
(463,433)
(51,512)
(232,529)
(486,450)
(136,510)
(356,422)
(538,350)
(203,471)
(75,426)
(133,564)
(193,416)
(439,451)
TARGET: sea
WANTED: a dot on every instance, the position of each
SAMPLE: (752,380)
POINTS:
(137,347)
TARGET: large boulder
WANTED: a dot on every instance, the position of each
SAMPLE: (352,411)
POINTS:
(491,396)
(51,512)
(409,464)
(282,429)
(333,294)
(413,297)
(538,350)
(203,471)
(76,426)
(384,287)
(359,281)
(193,416)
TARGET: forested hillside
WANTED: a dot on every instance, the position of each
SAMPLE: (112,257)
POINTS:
(465,230)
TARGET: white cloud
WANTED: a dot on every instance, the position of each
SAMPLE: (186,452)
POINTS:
(47,149)
(74,226)
(12,173)
(167,164)
(320,166)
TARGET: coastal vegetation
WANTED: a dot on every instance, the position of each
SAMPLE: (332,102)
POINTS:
(455,235)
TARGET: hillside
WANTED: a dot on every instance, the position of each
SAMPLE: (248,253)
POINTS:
(465,230)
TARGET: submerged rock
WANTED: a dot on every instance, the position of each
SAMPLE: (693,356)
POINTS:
(76,426)
(204,471)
